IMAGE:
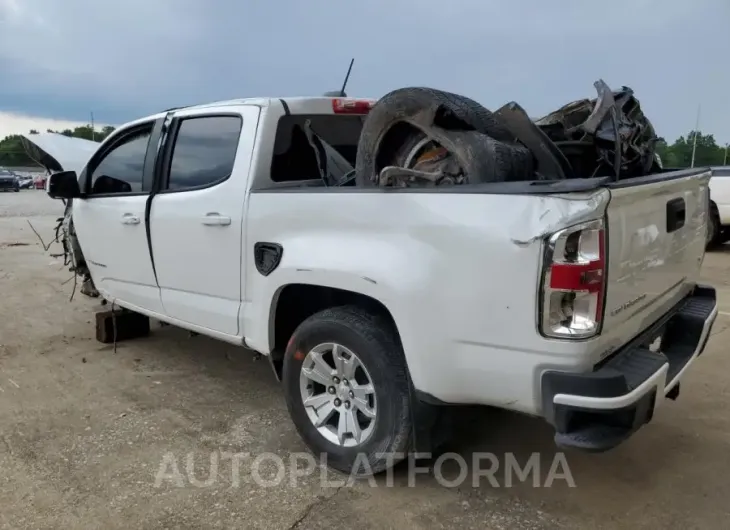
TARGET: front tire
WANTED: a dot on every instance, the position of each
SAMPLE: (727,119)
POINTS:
(347,391)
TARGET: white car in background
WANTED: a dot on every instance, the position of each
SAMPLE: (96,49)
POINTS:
(25,182)
(719,225)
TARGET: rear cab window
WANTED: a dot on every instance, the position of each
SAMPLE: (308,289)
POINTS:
(295,159)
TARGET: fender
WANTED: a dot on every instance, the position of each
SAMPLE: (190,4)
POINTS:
(340,261)
(356,269)
(56,152)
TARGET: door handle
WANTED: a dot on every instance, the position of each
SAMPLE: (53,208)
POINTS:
(215,219)
(130,219)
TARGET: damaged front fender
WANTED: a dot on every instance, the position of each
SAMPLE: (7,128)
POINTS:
(56,152)
(73,255)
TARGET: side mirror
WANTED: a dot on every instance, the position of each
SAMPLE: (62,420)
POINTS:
(63,185)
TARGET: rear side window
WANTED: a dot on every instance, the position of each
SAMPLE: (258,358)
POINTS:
(295,159)
(204,152)
(721,172)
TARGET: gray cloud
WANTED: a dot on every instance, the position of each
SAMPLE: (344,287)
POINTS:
(127,59)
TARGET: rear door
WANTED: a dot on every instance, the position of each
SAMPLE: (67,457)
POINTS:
(110,220)
(197,216)
(656,244)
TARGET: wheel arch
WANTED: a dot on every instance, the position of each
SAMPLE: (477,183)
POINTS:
(293,303)
(429,427)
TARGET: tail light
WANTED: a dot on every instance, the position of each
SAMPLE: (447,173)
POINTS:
(574,282)
(351,106)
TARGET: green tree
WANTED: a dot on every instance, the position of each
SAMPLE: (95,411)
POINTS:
(679,154)
(662,149)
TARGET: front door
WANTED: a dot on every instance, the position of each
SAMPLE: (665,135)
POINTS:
(110,220)
(197,216)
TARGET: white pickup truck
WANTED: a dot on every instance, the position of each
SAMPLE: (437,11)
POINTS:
(576,300)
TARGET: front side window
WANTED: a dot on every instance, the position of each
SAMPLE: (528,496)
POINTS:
(204,152)
(121,169)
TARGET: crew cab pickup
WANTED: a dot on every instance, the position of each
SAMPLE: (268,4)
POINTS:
(576,301)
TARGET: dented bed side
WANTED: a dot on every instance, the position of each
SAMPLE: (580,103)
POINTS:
(459,269)
(459,273)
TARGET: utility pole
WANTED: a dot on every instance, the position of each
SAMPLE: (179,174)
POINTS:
(697,132)
(724,162)
(93,135)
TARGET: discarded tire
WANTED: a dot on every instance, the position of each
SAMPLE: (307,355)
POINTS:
(470,133)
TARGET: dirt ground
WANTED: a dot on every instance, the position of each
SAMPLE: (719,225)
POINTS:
(86,431)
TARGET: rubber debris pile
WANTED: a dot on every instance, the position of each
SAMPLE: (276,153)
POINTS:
(427,137)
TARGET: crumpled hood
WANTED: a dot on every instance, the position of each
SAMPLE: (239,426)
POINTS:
(57,152)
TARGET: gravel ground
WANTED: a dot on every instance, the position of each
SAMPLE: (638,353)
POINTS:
(92,438)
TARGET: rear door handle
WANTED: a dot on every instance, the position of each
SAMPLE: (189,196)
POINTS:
(130,219)
(676,213)
(215,219)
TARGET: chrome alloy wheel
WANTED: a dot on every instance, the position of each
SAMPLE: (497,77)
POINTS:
(338,394)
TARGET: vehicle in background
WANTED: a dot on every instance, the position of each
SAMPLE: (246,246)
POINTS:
(39,182)
(25,183)
(8,181)
(718,231)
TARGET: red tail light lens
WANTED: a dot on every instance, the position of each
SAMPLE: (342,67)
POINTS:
(574,282)
(351,106)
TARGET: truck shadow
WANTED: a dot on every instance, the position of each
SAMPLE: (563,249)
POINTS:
(492,453)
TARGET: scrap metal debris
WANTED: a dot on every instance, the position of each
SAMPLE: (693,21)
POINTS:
(607,136)
(61,236)
(434,167)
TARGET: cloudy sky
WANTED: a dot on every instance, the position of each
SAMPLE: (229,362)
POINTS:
(62,59)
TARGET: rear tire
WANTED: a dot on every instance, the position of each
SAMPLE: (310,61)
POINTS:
(381,434)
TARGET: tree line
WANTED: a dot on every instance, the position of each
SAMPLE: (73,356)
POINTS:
(13,154)
(679,154)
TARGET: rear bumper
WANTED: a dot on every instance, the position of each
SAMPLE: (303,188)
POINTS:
(597,411)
